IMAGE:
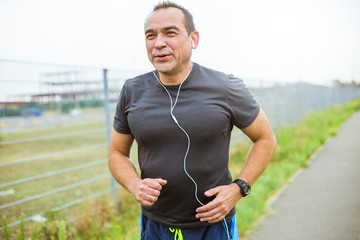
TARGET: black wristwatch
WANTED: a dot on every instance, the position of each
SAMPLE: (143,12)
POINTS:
(245,188)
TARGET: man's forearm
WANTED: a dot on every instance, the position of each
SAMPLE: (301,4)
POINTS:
(257,159)
(123,170)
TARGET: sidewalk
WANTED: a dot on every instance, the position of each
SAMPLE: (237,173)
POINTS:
(323,203)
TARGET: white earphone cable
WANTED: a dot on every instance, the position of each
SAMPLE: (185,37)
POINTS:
(177,123)
(188,139)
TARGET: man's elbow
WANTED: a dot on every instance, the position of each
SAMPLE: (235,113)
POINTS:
(111,158)
(273,144)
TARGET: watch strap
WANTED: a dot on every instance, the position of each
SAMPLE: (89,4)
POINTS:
(245,187)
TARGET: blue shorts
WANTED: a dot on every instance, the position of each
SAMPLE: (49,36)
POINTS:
(218,231)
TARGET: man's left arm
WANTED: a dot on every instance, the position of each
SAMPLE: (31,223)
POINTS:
(264,144)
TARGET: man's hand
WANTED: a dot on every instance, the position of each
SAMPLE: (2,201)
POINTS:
(147,190)
(216,210)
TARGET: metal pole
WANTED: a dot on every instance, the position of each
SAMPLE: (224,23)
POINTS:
(108,132)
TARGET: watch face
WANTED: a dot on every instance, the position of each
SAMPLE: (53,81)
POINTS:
(247,189)
(244,186)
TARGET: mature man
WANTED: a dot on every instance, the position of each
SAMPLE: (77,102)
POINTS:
(181,116)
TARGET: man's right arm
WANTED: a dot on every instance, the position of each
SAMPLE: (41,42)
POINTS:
(146,191)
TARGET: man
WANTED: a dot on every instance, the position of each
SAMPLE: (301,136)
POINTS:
(181,116)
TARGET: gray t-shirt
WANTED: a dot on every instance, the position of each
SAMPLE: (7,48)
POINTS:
(210,103)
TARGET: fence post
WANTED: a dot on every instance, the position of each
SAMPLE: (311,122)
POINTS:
(108,132)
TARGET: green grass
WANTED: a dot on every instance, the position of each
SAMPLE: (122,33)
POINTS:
(52,130)
(16,151)
(296,144)
(19,151)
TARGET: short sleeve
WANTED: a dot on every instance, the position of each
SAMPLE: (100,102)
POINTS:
(121,124)
(242,105)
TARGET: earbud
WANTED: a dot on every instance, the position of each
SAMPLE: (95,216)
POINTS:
(192,44)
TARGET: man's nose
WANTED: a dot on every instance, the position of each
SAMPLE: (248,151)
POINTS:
(160,42)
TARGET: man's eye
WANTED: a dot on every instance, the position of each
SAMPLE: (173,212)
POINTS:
(150,36)
(171,33)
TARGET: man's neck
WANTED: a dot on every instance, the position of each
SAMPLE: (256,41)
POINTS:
(175,79)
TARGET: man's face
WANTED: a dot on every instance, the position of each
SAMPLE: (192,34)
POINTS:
(167,42)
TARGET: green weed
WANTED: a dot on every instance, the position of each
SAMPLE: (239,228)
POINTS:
(35,233)
(62,230)
(5,228)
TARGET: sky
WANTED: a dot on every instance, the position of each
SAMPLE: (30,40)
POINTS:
(315,41)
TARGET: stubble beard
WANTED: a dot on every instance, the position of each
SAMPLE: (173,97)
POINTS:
(170,68)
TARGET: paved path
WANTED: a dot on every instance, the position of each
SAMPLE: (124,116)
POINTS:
(323,203)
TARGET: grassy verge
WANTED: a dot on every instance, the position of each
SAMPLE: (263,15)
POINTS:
(296,144)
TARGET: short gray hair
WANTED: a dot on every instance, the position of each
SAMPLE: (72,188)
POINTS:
(188,18)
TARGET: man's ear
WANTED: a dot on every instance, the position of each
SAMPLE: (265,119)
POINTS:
(194,39)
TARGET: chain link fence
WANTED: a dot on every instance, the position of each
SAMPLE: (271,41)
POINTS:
(55,122)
